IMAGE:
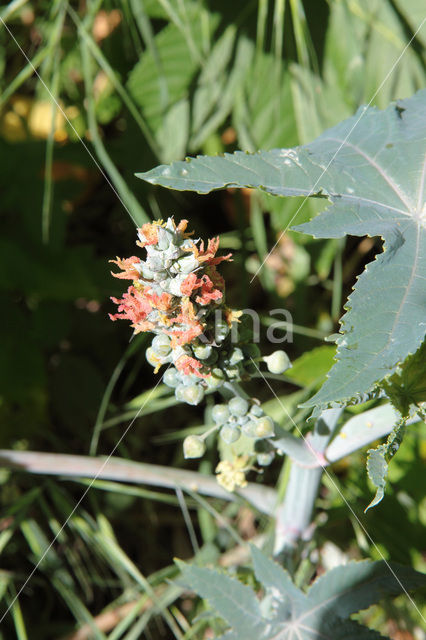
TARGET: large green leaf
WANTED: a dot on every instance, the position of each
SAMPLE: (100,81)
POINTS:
(372,169)
(285,612)
(375,38)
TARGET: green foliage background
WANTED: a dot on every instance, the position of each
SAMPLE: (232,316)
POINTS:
(144,83)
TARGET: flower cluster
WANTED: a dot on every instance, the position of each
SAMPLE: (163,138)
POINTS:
(178,295)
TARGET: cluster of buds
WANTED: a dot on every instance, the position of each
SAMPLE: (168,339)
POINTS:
(178,295)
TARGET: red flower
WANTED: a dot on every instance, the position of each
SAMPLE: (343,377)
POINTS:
(208,292)
(189,327)
(208,255)
(137,304)
(189,366)
(128,267)
(149,232)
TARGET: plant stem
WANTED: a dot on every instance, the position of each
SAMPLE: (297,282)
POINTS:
(294,514)
(119,470)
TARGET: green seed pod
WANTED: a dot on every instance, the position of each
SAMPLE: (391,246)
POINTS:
(193,447)
(220,413)
(161,345)
(238,406)
(212,359)
(264,427)
(202,351)
(179,392)
(277,362)
(192,394)
(250,368)
(256,410)
(233,372)
(230,433)
(172,377)
(236,356)
(153,359)
(216,379)
(265,459)
(249,429)
(221,331)
(251,350)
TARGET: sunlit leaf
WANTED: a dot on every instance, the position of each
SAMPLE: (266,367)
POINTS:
(372,169)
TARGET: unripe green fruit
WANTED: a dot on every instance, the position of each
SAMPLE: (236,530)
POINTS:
(249,429)
(264,427)
(172,377)
(277,362)
(161,346)
(192,394)
(221,331)
(212,359)
(230,433)
(153,359)
(238,406)
(216,379)
(236,356)
(233,372)
(179,392)
(220,413)
(202,351)
(193,447)
(256,410)
(251,350)
(250,368)
(265,459)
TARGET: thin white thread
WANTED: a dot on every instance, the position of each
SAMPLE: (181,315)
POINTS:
(330,477)
(79,501)
(67,119)
(338,150)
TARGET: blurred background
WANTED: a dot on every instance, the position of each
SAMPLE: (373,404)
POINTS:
(92,92)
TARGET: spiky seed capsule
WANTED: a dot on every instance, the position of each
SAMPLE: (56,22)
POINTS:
(277,362)
(238,406)
(193,447)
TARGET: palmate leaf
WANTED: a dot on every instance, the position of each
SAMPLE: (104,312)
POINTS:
(372,168)
(286,613)
(234,601)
